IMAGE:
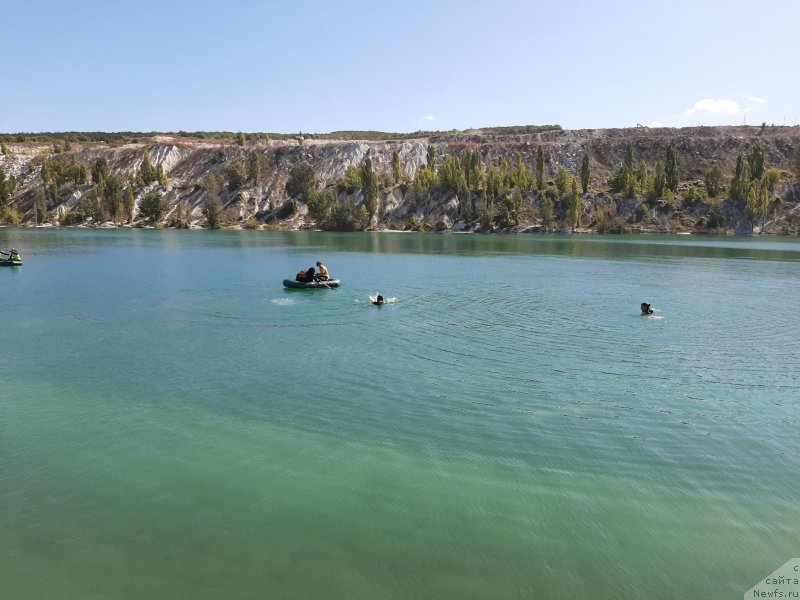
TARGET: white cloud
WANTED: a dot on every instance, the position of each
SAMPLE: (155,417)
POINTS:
(655,124)
(755,100)
(428,118)
(711,105)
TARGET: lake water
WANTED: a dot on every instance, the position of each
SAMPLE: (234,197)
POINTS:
(176,425)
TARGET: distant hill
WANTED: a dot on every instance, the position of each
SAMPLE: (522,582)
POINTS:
(483,180)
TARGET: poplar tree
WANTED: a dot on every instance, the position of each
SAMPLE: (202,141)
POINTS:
(253,167)
(129,206)
(396,171)
(7,186)
(575,206)
(369,187)
(796,163)
(540,168)
(659,182)
(741,180)
(99,170)
(431,158)
(523,180)
(671,170)
(40,206)
(755,160)
(713,181)
(586,171)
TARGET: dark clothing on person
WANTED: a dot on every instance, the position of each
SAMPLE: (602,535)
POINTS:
(305,276)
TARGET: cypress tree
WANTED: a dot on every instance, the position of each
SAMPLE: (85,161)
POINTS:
(586,171)
(671,170)
(396,171)
(369,187)
(540,168)
(431,158)
(755,160)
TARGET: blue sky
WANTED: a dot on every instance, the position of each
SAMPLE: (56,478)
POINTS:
(320,66)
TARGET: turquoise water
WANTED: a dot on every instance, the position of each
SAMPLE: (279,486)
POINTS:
(174,424)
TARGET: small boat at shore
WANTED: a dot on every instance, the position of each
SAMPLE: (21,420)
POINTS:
(311,285)
(10,263)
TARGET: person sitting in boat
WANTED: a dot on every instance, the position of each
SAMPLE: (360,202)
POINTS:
(378,301)
(305,276)
(646,310)
(323,274)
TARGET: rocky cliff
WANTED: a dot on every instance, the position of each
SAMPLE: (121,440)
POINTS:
(258,198)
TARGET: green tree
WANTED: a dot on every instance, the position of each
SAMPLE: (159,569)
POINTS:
(424,182)
(771,178)
(671,170)
(630,179)
(627,162)
(47,170)
(714,181)
(540,168)
(757,202)
(254,161)
(99,170)
(302,181)
(321,206)
(129,204)
(431,163)
(241,139)
(4,150)
(563,181)
(509,211)
(473,171)
(396,170)
(40,206)
(796,163)
(54,192)
(235,175)
(450,177)
(369,187)
(112,187)
(546,210)
(212,206)
(7,186)
(740,184)
(659,183)
(487,210)
(755,160)
(522,178)
(91,207)
(163,180)
(147,173)
(153,206)
(575,205)
(586,171)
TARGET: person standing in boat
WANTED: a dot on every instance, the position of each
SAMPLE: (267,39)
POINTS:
(323,274)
